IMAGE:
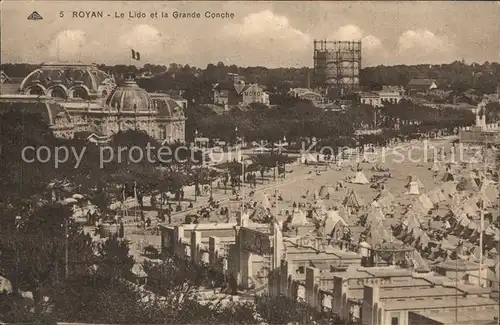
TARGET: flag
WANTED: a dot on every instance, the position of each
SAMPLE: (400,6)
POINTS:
(136,55)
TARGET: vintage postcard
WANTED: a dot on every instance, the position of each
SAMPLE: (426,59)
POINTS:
(242,162)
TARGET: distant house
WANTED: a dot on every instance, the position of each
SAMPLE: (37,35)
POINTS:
(388,94)
(181,101)
(224,93)
(421,85)
(254,93)
(439,93)
(370,98)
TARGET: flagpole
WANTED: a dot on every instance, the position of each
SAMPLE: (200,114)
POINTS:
(482,217)
(136,201)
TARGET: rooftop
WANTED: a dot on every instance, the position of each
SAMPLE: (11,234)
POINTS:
(388,272)
(439,303)
(462,316)
(421,82)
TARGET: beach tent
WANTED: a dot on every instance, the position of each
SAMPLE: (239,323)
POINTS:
(298,218)
(332,218)
(468,184)
(425,201)
(434,196)
(489,189)
(377,235)
(413,188)
(265,202)
(360,178)
(415,180)
(449,188)
(447,177)
(440,194)
(375,216)
(259,213)
(352,200)
(411,221)
(385,199)
(424,240)
(417,261)
(326,191)
(436,167)
(319,209)
(470,208)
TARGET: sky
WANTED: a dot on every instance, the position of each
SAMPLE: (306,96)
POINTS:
(270,34)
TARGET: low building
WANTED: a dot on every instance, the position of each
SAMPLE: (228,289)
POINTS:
(221,93)
(370,98)
(306,93)
(225,94)
(388,95)
(421,85)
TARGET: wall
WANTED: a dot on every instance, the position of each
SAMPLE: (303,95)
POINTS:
(371,100)
(253,94)
(477,136)
(417,319)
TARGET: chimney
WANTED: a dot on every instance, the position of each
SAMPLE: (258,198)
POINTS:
(340,297)
(312,286)
(371,300)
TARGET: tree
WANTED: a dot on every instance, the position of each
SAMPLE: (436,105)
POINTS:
(281,310)
(24,181)
(116,262)
(37,252)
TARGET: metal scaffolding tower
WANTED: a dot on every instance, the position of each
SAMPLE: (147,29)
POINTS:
(337,65)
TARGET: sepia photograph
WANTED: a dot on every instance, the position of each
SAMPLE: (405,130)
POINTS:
(250,162)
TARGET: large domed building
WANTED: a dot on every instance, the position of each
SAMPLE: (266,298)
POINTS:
(81,100)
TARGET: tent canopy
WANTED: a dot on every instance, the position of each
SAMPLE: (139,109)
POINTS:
(325,191)
(352,200)
(360,178)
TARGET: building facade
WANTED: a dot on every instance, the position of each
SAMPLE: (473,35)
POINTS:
(421,85)
(254,93)
(305,93)
(81,100)
(388,95)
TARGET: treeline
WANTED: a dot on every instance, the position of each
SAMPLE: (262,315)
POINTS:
(300,119)
(458,76)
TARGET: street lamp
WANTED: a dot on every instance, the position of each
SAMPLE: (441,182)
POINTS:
(235,135)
